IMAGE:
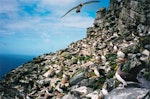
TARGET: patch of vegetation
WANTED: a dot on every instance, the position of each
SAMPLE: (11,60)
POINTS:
(65,54)
(52,62)
(144,41)
(74,60)
(135,49)
(111,57)
(147,75)
(91,74)
(99,83)
(69,56)
(126,67)
(138,18)
(85,58)
(112,60)
(113,65)
(127,33)
(110,74)
(38,60)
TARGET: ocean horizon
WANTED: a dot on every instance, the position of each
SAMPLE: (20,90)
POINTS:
(9,62)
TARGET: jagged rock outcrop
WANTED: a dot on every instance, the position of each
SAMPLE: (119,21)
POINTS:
(120,34)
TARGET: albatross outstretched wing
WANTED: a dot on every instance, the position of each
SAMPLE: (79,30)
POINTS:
(94,1)
(79,5)
(69,11)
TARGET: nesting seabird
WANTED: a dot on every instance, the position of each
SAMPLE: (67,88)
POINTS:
(123,76)
(120,54)
(64,79)
(98,72)
(103,58)
(49,73)
(115,49)
(78,7)
(104,90)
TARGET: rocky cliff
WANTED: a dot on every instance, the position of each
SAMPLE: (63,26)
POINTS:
(120,35)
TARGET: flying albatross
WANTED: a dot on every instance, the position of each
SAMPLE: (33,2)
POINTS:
(78,7)
(124,77)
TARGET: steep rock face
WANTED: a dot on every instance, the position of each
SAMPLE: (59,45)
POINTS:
(130,13)
(136,11)
(120,35)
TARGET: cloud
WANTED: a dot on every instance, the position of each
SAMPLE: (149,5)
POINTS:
(4,33)
(57,3)
(47,23)
(39,21)
(8,6)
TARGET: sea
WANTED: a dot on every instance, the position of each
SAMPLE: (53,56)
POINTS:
(9,62)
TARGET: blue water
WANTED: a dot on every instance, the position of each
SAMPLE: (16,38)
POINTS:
(9,62)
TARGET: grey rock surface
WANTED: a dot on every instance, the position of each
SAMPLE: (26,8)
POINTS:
(129,93)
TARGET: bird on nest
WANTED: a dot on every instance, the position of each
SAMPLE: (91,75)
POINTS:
(78,7)
(104,91)
(99,72)
(123,77)
(99,94)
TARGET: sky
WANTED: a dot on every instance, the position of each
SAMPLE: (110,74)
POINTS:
(35,27)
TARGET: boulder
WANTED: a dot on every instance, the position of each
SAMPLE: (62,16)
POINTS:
(129,93)
(69,96)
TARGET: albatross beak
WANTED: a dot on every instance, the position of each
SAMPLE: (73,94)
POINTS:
(116,67)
